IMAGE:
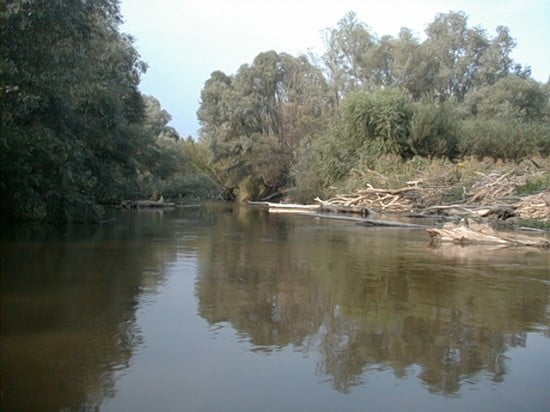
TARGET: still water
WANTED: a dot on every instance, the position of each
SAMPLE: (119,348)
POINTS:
(227,308)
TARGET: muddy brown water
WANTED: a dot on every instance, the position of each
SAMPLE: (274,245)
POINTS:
(227,308)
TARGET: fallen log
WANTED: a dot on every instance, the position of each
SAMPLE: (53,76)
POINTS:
(337,217)
(153,203)
(391,223)
(293,211)
(285,205)
(368,222)
(470,232)
(330,207)
(358,220)
(133,204)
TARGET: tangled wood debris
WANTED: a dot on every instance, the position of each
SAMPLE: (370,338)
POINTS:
(390,200)
(492,187)
(491,195)
(535,206)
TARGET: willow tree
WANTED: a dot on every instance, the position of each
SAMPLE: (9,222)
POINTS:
(466,57)
(254,120)
(345,58)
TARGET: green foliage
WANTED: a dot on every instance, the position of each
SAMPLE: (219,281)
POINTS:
(510,97)
(498,139)
(345,58)
(70,108)
(381,117)
(434,129)
(282,120)
(533,223)
(320,163)
(187,187)
(250,188)
(307,174)
(254,121)
(535,184)
(76,132)
(541,136)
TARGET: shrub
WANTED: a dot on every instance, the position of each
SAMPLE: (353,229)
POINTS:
(434,130)
(250,188)
(498,139)
(383,116)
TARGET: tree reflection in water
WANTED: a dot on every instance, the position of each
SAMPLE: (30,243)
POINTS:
(365,300)
(359,300)
(69,297)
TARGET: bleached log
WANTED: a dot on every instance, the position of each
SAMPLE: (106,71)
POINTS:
(467,232)
(291,211)
(368,222)
(391,223)
(286,205)
(330,207)
(146,203)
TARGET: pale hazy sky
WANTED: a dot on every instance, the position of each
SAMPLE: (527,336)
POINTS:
(183,41)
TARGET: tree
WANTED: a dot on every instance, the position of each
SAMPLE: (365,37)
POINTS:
(345,58)
(458,50)
(69,110)
(253,121)
(381,118)
(511,96)
(466,58)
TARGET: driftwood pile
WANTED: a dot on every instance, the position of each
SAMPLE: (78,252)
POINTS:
(535,207)
(491,188)
(491,195)
(390,200)
(464,233)
(471,232)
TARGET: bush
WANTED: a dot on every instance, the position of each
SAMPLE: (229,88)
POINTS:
(309,173)
(178,186)
(498,139)
(534,185)
(383,116)
(250,188)
(434,130)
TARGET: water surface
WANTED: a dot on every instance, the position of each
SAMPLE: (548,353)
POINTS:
(229,308)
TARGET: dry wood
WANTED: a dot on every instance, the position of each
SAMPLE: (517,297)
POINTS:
(293,211)
(286,205)
(357,220)
(146,203)
(368,222)
(391,223)
(470,232)
(330,207)
(501,211)
(535,207)
(154,203)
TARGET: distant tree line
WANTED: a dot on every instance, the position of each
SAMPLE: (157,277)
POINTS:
(301,121)
(76,133)
(75,130)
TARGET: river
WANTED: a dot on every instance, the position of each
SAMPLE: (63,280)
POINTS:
(228,308)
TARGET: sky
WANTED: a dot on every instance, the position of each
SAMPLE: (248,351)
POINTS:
(184,41)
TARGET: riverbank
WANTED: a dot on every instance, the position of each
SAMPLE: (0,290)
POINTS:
(504,193)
